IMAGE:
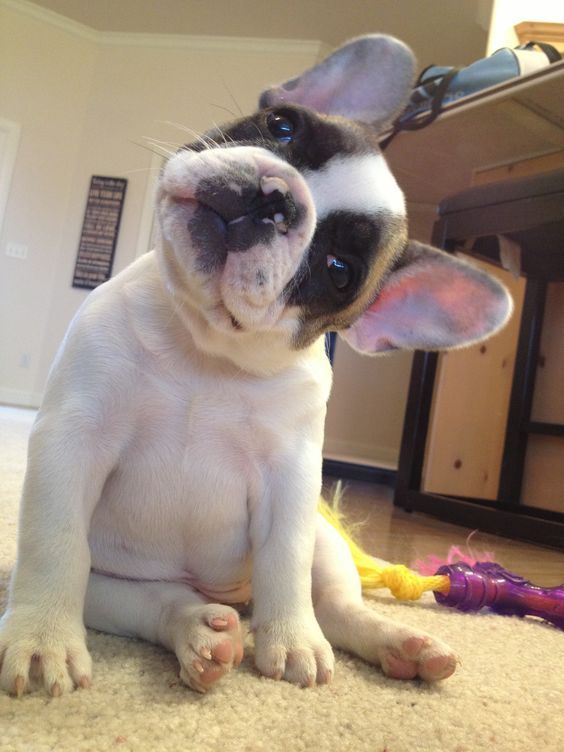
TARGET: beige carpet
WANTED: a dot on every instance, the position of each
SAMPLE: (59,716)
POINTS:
(507,696)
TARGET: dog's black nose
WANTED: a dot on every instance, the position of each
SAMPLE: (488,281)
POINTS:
(239,217)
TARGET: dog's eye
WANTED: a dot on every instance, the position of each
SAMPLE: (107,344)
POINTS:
(281,127)
(340,272)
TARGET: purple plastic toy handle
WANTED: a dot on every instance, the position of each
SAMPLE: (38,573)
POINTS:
(489,585)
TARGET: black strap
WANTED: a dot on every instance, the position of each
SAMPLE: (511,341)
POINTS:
(551,52)
(416,123)
(442,83)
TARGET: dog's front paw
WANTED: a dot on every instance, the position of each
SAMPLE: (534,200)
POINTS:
(294,650)
(40,646)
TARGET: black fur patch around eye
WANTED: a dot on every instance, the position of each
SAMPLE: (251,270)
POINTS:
(351,237)
(316,140)
(369,245)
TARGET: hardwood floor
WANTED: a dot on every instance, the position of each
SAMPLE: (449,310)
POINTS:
(402,537)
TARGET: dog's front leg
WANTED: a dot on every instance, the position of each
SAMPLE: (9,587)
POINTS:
(289,643)
(42,629)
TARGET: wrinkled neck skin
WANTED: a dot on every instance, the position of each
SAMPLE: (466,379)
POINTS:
(260,353)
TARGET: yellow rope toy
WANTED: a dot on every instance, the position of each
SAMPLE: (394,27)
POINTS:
(404,584)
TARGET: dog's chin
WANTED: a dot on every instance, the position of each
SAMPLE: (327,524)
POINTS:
(236,318)
(228,311)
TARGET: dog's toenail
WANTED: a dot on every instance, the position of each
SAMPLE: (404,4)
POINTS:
(219,622)
(19,686)
(56,690)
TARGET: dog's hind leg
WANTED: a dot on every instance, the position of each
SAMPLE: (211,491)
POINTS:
(402,652)
(206,637)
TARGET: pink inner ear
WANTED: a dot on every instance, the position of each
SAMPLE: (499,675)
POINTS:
(435,295)
(433,303)
(318,97)
(368,79)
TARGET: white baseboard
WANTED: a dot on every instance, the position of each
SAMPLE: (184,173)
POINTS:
(20,398)
(360,453)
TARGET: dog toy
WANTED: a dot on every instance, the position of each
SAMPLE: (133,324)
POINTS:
(464,587)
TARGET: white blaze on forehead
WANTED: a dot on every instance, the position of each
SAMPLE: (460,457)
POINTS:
(358,183)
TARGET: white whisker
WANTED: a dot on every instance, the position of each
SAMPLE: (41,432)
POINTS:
(235,102)
(155,149)
(158,142)
(156,170)
(205,140)
(226,139)
(225,109)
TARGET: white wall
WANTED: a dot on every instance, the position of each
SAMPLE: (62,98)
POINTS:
(366,410)
(45,78)
(84,101)
(508,13)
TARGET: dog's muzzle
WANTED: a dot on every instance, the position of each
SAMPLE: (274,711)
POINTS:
(243,219)
(235,218)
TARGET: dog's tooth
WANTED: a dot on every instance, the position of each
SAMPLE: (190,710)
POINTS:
(269,184)
(237,220)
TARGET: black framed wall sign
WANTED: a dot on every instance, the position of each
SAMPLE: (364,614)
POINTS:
(99,234)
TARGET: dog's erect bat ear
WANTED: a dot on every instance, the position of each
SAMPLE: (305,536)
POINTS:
(367,79)
(431,301)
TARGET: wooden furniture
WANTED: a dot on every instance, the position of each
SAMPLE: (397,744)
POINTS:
(497,128)
(530,211)
(541,31)
(514,128)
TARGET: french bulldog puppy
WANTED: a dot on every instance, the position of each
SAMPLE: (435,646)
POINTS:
(175,464)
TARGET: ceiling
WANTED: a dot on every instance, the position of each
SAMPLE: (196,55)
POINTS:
(439,31)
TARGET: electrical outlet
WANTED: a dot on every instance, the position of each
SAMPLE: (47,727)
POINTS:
(16,250)
(25,360)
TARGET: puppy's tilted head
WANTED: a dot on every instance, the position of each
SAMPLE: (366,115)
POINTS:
(289,221)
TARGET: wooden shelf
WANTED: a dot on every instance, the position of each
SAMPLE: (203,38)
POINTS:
(520,119)
(537,31)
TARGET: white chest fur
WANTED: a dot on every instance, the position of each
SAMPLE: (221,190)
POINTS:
(203,440)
